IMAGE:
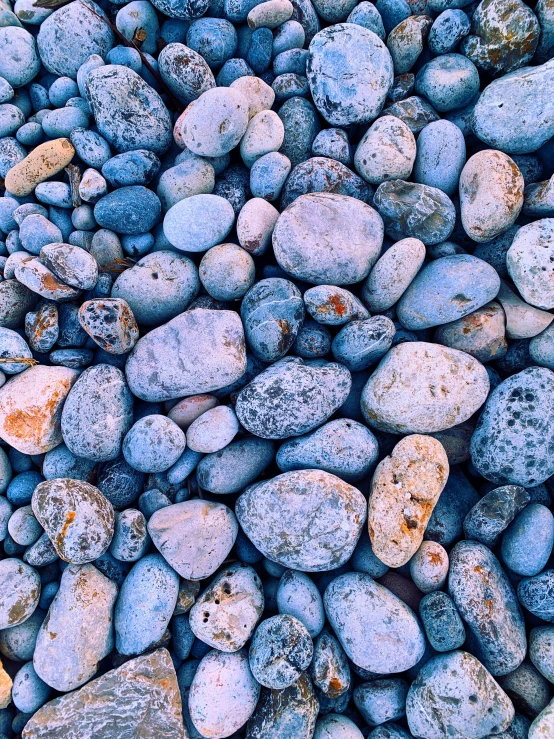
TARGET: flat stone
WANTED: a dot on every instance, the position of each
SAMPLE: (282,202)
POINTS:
(140,696)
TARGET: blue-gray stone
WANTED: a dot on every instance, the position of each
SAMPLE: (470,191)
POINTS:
(441,155)
(128,210)
(239,464)
(442,623)
(528,540)
(361,344)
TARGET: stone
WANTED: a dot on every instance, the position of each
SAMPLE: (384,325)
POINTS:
(348,234)
(196,352)
(528,262)
(334,306)
(110,323)
(377,630)
(322,174)
(511,443)
(466,700)
(393,273)
(15,302)
(20,592)
(396,145)
(20,61)
(350,72)
(31,408)
(280,650)
(78,519)
(411,405)
(488,518)
(141,695)
(215,123)
(405,488)
(523,321)
(543,725)
(308,520)
(78,630)
(194,537)
(42,162)
(199,222)
(481,333)
(288,712)
(185,72)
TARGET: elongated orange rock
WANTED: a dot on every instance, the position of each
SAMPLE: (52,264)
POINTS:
(43,162)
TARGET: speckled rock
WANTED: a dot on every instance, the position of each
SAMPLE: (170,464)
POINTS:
(41,163)
(213,430)
(97,414)
(71,34)
(15,301)
(153,444)
(223,694)
(291,398)
(20,61)
(31,407)
(411,209)
(405,41)
(20,592)
(536,594)
(447,289)
(411,404)
(405,488)
(442,623)
(336,726)
(488,518)
(334,306)
(321,174)
(194,537)
(255,225)
(441,155)
(543,726)
(32,273)
(141,695)
(481,333)
(376,629)
(516,112)
(78,630)
(289,712)
(145,605)
(280,650)
(110,323)
(74,266)
(529,262)
(128,112)
(397,151)
(393,273)
(78,519)
(350,72)
(513,437)
(348,234)
(504,36)
(199,222)
(487,602)
(466,701)
(226,613)
(293,519)
(342,447)
(330,670)
(196,352)
(214,124)
(185,72)
(491,194)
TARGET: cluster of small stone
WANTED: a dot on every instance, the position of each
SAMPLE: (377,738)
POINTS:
(277,369)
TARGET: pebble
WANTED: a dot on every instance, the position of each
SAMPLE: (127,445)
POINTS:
(281,711)
(43,162)
(235,466)
(527,554)
(153,444)
(488,518)
(397,151)
(280,650)
(213,430)
(20,592)
(199,222)
(299,597)
(442,623)
(110,323)
(216,122)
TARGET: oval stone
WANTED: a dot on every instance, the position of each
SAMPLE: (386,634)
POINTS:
(401,396)
(307,520)
(291,398)
(97,414)
(350,72)
(78,519)
(19,592)
(324,238)
(514,439)
(376,629)
(487,603)
(196,352)
(529,262)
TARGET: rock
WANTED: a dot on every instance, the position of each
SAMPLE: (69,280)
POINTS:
(336,726)
(194,537)
(392,274)
(141,695)
(299,597)
(330,670)
(466,699)
(226,613)
(488,518)
(71,35)
(535,595)
(129,210)
(361,344)
(199,222)
(231,469)
(196,352)
(411,405)
(516,113)
(153,444)
(15,301)
(522,320)
(350,72)
(528,262)
(381,700)
(20,592)
(215,123)
(321,174)
(461,284)
(487,602)
(185,72)
(317,515)
(128,112)
(442,623)
(377,630)
(481,333)
(72,265)
(78,630)
(334,306)
(281,649)
(289,712)
(223,694)
(348,234)
(145,605)
(406,40)
(19,59)
(5,688)
(405,488)
(110,323)
(419,211)
(513,434)
(213,430)
(291,398)
(78,519)
(441,155)
(31,408)
(397,151)
(42,162)
(97,414)
(491,194)
(32,273)
(543,725)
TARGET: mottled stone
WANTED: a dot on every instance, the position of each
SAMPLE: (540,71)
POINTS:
(78,519)
(529,261)
(78,630)
(488,518)
(32,273)
(31,408)
(411,404)
(196,352)
(393,273)
(376,629)
(481,333)
(321,174)
(523,321)
(334,306)
(19,592)
(291,712)
(280,650)
(308,520)
(41,163)
(140,696)
(185,72)
(405,488)
(487,602)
